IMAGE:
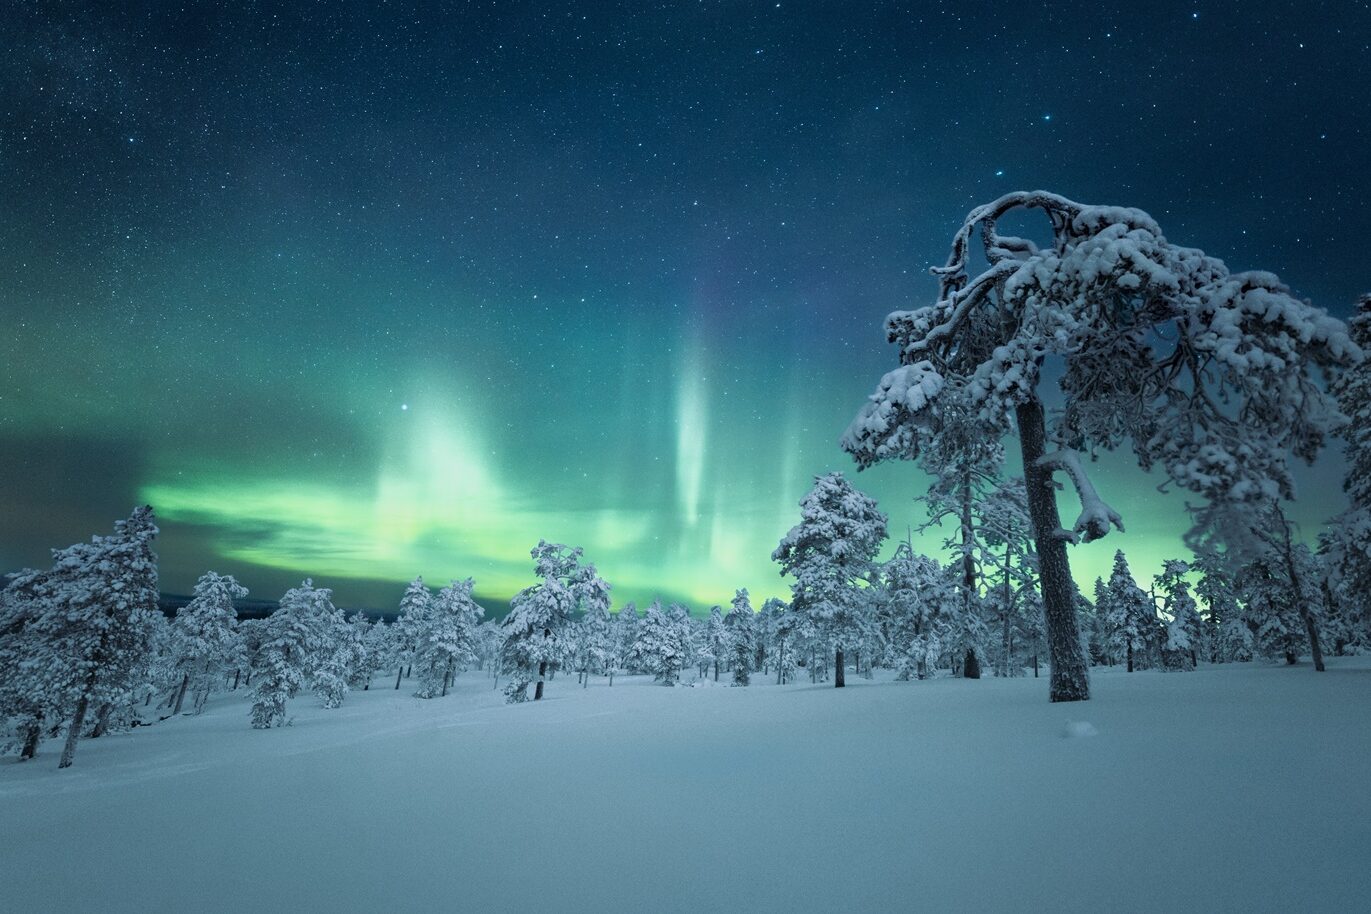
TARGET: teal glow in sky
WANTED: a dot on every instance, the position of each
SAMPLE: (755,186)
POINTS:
(366,296)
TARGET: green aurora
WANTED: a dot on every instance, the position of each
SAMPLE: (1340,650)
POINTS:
(409,302)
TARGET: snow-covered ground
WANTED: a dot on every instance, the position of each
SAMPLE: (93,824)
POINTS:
(1238,788)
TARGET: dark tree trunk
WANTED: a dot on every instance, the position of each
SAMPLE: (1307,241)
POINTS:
(1297,593)
(398,674)
(236,675)
(181,694)
(716,669)
(78,720)
(838,679)
(33,731)
(972,666)
(1070,678)
(542,668)
(102,719)
(1130,658)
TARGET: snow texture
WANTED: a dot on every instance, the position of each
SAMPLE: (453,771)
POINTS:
(951,793)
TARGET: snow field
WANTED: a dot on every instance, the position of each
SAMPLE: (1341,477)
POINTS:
(1234,788)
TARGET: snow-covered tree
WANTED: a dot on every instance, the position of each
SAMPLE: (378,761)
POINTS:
(595,632)
(714,646)
(447,640)
(1130,616)
(205,635)
(1184,630)
(32,678)
(662,646)
(409,626)
(536,627)
(98,606)
(533,635)
(919,595)
(1208,374)
(1347,542)
(831,554)
(742,637)
(294,637)
(1228,635)
(778,624)
(625,634)
(367,644)
(1260,533)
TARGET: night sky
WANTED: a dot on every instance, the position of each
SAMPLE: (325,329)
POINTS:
(368,291)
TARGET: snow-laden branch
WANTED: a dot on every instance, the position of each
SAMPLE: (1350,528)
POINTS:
(1096,516)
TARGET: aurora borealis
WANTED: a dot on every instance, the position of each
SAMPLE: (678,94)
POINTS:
(365,292)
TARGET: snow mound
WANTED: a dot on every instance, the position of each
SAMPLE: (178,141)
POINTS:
(1079,728)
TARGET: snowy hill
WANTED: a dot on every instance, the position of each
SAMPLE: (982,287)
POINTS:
(1234,788)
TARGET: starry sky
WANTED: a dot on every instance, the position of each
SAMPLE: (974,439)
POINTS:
(364,291)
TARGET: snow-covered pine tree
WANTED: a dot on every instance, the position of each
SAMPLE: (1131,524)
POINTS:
(1229,636)
(1130,615)
(1140,327)
(831,554)
(251,635)
(31,687)
(1347,542)
(447,641)
(1259,532)
(98,603)
(742,637)
(535,629)
(663,642)
(625,634)
(532,635)
(293,638)
(714,643)
(595,632)
(1184,639)
(205,636)
(331,664)
(919,596)
(410,623)
(366,644)
(594,642)
(779,626)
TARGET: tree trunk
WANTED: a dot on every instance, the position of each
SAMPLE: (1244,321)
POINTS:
(1070,677)
(716,669)
(1130,658)
(181,693)
(102,719)
(78,720)
(971,669)
(32,729)
(1297,594)
(542,671)
(838,680)
(399,673)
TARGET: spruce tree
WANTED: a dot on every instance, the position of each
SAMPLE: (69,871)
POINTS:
(831,555)
(742,636)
